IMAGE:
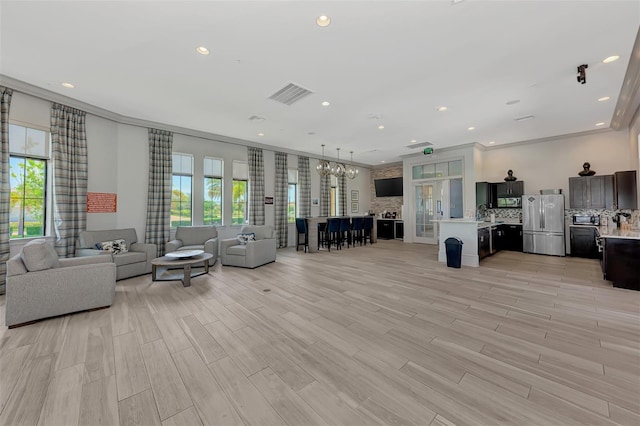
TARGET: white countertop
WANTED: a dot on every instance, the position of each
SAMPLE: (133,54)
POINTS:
(607,232)
(481,223)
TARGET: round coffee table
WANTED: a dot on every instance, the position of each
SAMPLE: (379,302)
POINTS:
(162,268)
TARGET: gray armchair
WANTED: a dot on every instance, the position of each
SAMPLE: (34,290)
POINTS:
(253,253)
(39,285)
(195,238)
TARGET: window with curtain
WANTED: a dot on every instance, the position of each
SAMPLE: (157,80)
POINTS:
(239,211)
(28,159)
(181,189)
(213,173)
(292,196)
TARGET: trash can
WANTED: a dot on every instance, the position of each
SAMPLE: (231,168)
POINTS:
(453,246)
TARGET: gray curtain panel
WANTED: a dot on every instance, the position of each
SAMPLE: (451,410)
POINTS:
(256,186)
(5,188)
(159,192)
(304,187)
(281,199)
(325,195)
(342,193)
(70,176)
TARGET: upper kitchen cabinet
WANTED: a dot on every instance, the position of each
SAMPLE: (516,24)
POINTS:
(625,190)
(510,189)
(486,194)
(591,192)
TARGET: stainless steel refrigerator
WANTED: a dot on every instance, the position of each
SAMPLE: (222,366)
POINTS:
(543,224)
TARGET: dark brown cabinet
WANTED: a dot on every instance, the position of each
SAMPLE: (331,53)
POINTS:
(626,190)
(591,192)
(583,242)
(486,194)
(512,237)
(386,229)
(484,242)
(621,262)
(510,189)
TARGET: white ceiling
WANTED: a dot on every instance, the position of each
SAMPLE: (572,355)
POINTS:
(396,60)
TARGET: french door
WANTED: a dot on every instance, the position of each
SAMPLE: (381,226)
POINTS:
(434,200)
(428,202)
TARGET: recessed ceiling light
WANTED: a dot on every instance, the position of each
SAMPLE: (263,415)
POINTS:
(68,85)
(492,142)
(604,98)
(202,50)
(471,128)
(413,141)
(325,103)
(323,21)
(260,134)
(611,59)
(380,127)
(382,161)
(442,108)
(600,123)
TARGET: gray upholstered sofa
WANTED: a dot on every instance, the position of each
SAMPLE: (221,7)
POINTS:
(39,285)
(136,261)
(253,253)
(195,238)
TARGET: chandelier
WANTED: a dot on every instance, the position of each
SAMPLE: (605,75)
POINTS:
(339,170)
(352,172)
(323,168)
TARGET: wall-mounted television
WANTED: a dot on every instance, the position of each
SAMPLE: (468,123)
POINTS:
(391,187)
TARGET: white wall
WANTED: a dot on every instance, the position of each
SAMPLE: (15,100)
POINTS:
(102,167)
(549,164)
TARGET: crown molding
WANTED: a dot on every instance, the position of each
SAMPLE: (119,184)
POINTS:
(629,99)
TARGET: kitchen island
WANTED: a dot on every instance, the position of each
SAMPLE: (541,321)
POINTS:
(621,257)
(467,231)
(480,238)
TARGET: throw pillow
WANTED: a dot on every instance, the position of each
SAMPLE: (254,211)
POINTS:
(245,238)
(38,255)
(115,246)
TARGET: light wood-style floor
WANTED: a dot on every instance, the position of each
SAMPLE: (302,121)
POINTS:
(382,334)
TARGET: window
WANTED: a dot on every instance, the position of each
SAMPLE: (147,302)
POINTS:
(29,150)
(239,213)
(292,196)
(182,167)
(438,170)
(213,172)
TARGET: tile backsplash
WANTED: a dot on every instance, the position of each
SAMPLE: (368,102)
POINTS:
(604,213)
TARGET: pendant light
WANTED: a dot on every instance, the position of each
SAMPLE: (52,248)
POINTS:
(352,171)
(323,168)
(339,170)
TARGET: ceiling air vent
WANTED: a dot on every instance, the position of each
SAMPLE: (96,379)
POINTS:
(419,145)
(290,94)
(256,118)
(524,118)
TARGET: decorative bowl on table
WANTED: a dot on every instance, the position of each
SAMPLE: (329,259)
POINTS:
(184,254)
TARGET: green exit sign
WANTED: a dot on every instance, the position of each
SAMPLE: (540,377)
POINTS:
(428,150)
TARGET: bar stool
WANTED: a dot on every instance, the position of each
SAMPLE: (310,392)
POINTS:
(333,232)
(322,234)
(301,227)
(357,228)
(345,231)
(368,229)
